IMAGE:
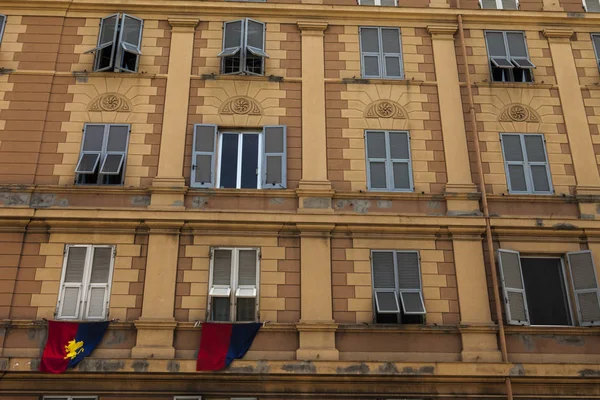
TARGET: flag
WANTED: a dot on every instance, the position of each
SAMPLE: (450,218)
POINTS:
(70,342)
(220,344)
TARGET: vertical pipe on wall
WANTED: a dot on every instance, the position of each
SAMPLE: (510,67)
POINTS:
(484,202)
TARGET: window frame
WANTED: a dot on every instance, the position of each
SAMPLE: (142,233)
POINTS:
(389,163)
(243,51)
(381,55)
(219,153)
(499,6)
(83,306)
(120,54)
(526,165)
(233,282)
(2,26)
(103,155)
(508,56)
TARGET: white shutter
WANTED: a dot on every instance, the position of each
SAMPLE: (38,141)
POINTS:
(514,163)
(592,5)
(488,4)
(537,162)
(510,5)
(274,157)
(585,287)
(71,293)
(409,282)
(98,288)
(384,282)
(515,300)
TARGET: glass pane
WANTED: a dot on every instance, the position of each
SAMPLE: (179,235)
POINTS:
(203,168)
(132,28)
(249,161)
(392,67)
(274,140)
(245,310)
(369,40)
(516,44)
(535,148)
(93,138)
(222,268)
(233,31)
(399,145)
(383,270)
(377,175)
(220,309)
(101,265)
(371,66)
(108,29)
(376,145)
(495,42)
(546,295)
(391,40)
(512,147)
(517,178)
(255,34)
(75,264)
(274,170)
(112,164)
(401,176)
(229,160)
(540,178)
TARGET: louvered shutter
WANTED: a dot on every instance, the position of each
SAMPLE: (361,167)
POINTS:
(509,5)
(585,287)
(220,290)
(538,163)
(130,40)
(592,5)
(71,297)
(392,53)
(2,26)
(515,299)
(203,156)
(98,288)
(388,3)
(384,282)
(91,149)
(376,160)
(246,291)
(370,52)
(496,47)
(409,282)
(275,158)
(488,4)
(596,41)
(514,163)
(106,48)
(116,150)
(399,144)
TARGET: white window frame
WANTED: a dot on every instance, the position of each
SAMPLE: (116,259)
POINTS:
(83,306)
(2,26)
(381,55)
(508,56)
(389,163)
(377,3)
(526,165)
(260,157)
(499,5)
(244,48)
(232,290)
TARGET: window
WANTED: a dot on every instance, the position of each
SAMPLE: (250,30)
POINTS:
(233,294)
(243,47)
(397,291)
(591,5)
(388,161)
(381,53)
(535,289)
(596,42)
(119,44)
(85,282)
(526,163)
(499,4)
(246,160)
(103,154)
(509,60)
(390,3)
(2,26)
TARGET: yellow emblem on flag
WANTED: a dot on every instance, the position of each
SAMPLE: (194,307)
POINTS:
(73,348)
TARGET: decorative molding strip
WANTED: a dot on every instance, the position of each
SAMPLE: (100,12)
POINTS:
(518,113)
(241,105)
(110,102)
(312,25)
(385,109)
(183,22)
(442,30)
(559,33)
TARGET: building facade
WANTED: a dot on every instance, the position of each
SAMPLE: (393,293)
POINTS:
(407,195)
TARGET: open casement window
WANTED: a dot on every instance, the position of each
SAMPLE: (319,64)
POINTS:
(499,4)
(585,287)
(526,164)
(596,42)
(85,283)
(233,293)
(509,59)
(243,47)
(591,5)
(119,43)
(381,53)
(388,161)
(397,289)
(103,154)
(2,26)
(390,3)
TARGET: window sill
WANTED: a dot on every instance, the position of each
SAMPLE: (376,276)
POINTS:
(388,195)
(538,198)
(242,192)
(106,74)
(380,81)
(234,77)
(270,326)
(553,330)
(521,85)
(398,328)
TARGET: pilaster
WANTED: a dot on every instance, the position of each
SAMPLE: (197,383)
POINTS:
(458,168)
(478,334)
(316,327)
(169,184)
(156,326)
(578,130)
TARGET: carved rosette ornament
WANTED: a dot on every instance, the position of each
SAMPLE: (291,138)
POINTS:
(241,105)
(518,113)
(385,109)
(110,102)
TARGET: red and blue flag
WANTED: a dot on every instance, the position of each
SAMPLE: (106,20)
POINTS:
(70,342)
(220,344)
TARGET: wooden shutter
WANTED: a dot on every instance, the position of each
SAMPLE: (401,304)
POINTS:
(71,294)
(515,300)
(537,162)
(100,277)
(384,282)
(409,282)
(130,40)
(203,156)
(585,287)
(106,48)
(274,158)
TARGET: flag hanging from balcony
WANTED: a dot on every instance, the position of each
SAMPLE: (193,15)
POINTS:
(220,344)
(70,342)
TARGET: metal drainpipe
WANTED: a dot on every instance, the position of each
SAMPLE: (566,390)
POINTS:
(484,202)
